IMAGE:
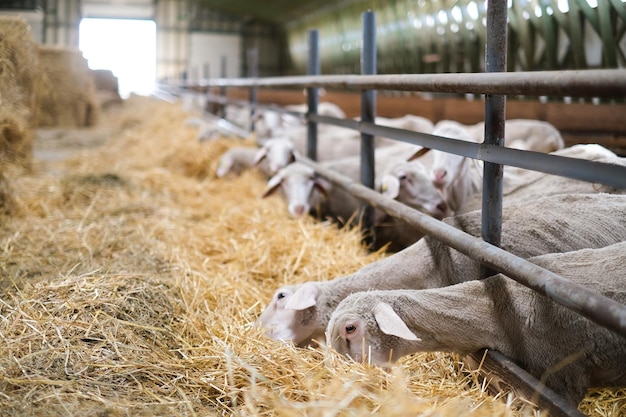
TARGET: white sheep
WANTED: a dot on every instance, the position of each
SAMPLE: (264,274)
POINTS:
(568,352)
(305,191)
(334,142)
(407,122)
(300,313)
(459,178)
(410,184)
(524,185)
(237,159)
(270,123)
(525,134)
(277,152)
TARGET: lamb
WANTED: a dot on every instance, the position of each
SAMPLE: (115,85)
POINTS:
(525,134)
(548,340)
(300,313)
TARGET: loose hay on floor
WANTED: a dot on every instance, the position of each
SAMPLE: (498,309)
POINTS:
(131,279)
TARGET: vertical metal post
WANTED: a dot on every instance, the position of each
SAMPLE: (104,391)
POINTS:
(223,89)
(368,114)
(495,109)
(312,96)
(253,72)
(206,73)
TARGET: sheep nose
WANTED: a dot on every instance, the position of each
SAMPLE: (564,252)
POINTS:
(298,210)
(439,177)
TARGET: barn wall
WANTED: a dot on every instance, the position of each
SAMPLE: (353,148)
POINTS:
(173,42)
(209,49)
(418,36)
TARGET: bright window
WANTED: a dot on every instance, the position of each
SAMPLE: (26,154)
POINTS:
(126,47)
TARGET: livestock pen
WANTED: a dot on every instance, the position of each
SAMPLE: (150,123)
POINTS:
(496,85)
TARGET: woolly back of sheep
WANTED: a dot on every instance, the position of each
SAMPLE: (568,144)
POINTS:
(131,279)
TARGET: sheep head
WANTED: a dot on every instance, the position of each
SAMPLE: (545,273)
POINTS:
(292,315)
(379,337)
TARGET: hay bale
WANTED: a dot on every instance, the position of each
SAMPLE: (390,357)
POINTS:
(107,87)
(69,93)
(20,83)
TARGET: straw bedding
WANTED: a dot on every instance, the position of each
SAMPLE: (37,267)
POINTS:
(131,279)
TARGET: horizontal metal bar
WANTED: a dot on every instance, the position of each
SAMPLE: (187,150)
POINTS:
(574,83)
(578,169)
(600,309)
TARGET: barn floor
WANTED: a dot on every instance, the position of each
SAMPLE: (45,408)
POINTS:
(131,279)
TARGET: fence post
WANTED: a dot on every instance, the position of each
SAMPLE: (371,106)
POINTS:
(206,74)
(223,88)
(368,115)
(253,72)
(495,109)
(312,96)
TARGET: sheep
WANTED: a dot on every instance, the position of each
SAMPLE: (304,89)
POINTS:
(409,183)
(525,134)
(459,178)
(271,123)
(237,159)
(407,122)
(565,350)
(308,193)
(525,185)
(300,313)
(277,152)
(304,191)
(334,142)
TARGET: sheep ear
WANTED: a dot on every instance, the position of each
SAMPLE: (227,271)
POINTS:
(272,185)
(259,156)
(321,185)
(418,154)
(223,167)
(390,186)
(390,323)
(304,297)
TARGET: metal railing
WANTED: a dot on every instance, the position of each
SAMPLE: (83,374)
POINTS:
(496,85)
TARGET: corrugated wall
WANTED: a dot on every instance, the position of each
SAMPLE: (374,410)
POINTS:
(423,36)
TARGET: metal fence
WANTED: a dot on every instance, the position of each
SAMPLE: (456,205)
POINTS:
(496,84)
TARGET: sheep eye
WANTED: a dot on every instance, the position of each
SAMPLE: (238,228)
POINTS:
(281,295)
(350,328)
(402,177)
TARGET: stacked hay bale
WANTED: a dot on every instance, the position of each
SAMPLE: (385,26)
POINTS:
(69,93)
(107,87)
(20,81)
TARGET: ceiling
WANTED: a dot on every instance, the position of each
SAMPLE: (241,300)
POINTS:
(273,11)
